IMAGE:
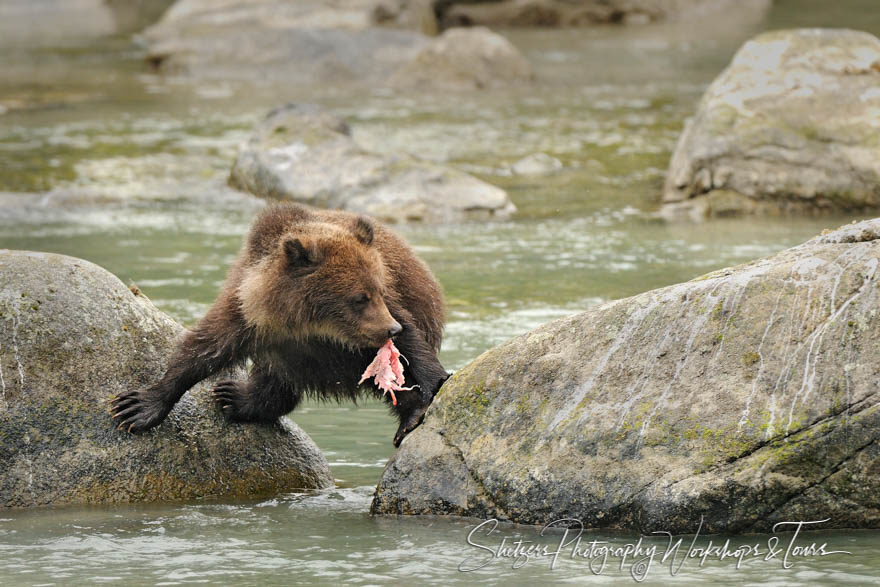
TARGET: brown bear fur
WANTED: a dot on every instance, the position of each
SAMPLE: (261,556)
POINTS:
(309,300)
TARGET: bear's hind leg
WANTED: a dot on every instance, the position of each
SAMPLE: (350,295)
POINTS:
(264,397)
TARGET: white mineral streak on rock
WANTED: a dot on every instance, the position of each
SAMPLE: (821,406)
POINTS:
(629,328)
(815,339)
(15,344)
(696,327)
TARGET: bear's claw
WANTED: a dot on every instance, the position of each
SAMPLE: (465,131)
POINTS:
(228,395)
(135,411)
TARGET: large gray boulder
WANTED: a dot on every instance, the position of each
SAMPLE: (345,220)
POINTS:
(748,396)
(270,40)
(71,337)
(302,153)
(791,125)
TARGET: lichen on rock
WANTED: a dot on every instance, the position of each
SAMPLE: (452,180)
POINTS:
(790,126)
(746,397)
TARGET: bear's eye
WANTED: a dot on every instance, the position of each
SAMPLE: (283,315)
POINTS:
(361,300)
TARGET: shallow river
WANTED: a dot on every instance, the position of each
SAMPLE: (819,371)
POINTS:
(142,163)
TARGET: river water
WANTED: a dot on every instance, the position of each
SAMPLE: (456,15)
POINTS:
(109,163)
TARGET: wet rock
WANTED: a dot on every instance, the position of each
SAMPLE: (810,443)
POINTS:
(72,336)
(537,164)
(550,13)
(748,396)
(465,58)
(790,126)
(303,153)
(269,40)
(26,23)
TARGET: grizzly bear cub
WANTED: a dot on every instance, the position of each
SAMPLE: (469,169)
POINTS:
(309,300)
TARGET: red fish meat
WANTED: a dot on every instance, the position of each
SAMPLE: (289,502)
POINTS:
(387,371)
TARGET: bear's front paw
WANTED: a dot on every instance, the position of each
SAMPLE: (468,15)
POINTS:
(137,411)
(231,396)
(409,424)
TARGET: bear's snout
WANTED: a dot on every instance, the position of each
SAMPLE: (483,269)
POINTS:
(377,324)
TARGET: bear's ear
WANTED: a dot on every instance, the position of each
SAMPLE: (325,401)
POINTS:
(363,230)
(299,254)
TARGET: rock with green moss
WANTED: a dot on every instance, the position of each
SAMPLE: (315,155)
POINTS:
(303,153)
(71,337)
(791,126)
(748,396)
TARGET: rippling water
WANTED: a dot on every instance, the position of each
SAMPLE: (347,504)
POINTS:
(328,538)
(128,170)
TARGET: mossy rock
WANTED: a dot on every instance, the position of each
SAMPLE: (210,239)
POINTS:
(745,397)
(71,337)
(789,127)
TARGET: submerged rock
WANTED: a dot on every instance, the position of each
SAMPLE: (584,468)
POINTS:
(748,396)
(790,126)
(303,153)
(537,164)
(71,337)
(465,58)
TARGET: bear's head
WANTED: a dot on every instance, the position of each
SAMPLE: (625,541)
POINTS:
(321,280)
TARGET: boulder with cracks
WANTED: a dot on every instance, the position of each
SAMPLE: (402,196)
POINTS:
(747,396)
